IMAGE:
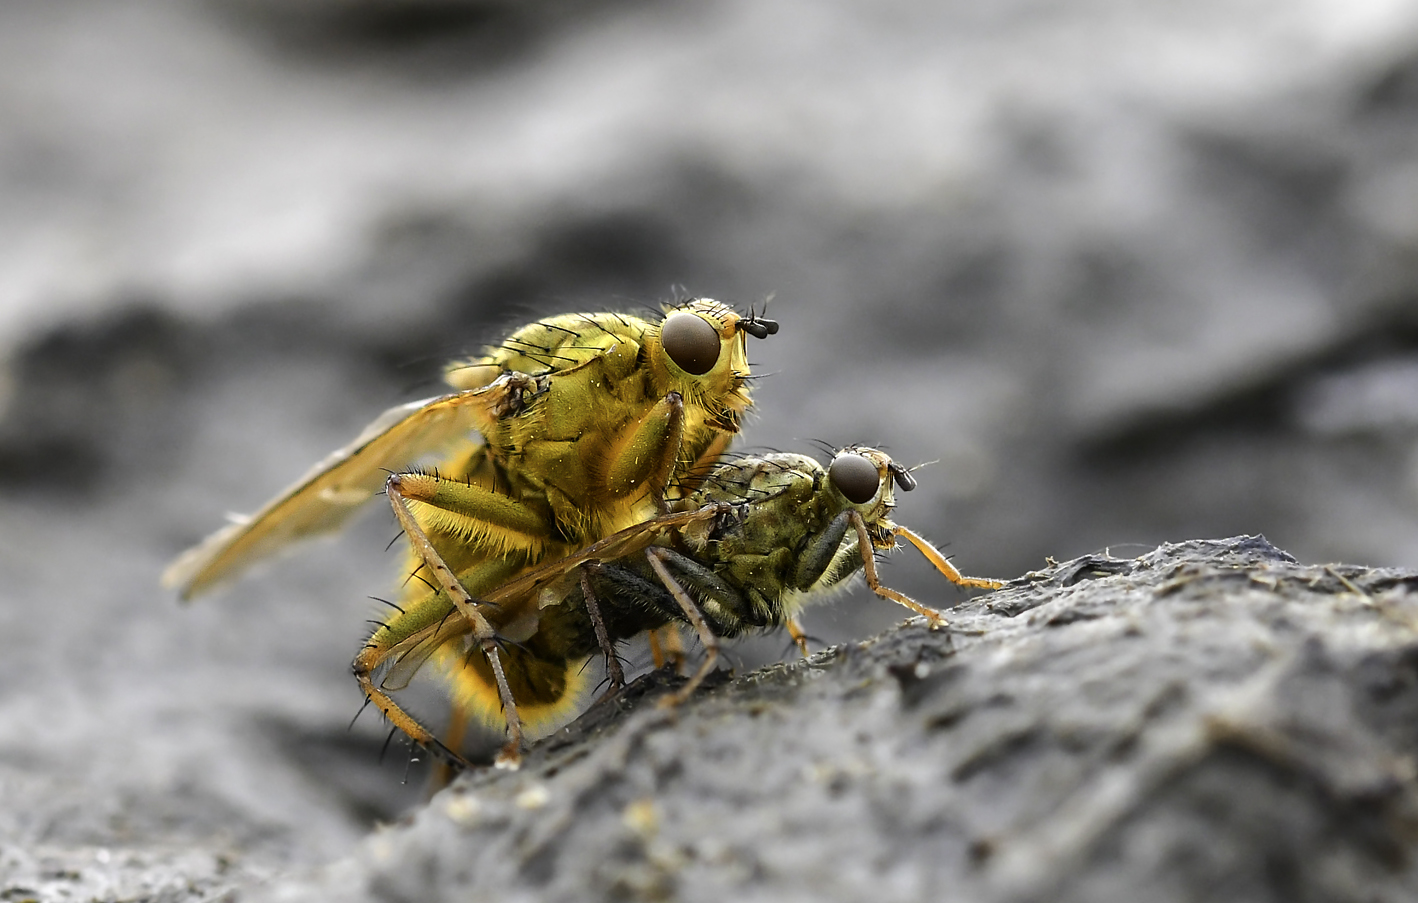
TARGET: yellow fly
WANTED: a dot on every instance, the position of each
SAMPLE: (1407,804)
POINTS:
(589,423)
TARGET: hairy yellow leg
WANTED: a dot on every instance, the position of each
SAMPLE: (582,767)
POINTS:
(483,634)
(647,454)
(942,564)
(455,506)
(707,639)
(691,478)
(365,664)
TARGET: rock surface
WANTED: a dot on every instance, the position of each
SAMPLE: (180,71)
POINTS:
(1129,273)
(1212,720)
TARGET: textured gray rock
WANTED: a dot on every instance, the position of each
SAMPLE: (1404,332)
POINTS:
(1129,272)
(1212,720)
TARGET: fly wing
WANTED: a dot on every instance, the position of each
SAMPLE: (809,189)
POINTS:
(411,654)
(325,497)
(554,574)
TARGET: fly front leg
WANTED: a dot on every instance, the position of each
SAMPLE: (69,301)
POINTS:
(819,552)
(646,455)
(482,633)
(942,564)
(691,479)
(868,553)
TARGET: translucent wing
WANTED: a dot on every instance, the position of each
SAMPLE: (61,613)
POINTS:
(532,582)
(330,492)
(411,654)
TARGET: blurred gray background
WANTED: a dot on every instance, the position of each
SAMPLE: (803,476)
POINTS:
(1126,272)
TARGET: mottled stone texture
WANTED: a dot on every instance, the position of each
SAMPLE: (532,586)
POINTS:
(1129,272)
(1212,720)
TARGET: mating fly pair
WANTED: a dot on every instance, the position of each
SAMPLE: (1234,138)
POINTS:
(595,507)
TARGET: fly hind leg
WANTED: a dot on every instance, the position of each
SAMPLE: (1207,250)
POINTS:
(481,517)
(366,663)
(482,633)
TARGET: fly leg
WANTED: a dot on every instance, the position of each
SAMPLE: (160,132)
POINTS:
(864,546)
(817,554)
(482,633)
(667,647)
(819,551)
(795,630)
(456,507)
(942,563)
(722,605)
(400,647)
(374,654)
(646,455)
(614,674)
(694,475)
(707,639)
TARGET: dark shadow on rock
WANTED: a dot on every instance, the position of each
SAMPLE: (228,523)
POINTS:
(375,781)
(424,40)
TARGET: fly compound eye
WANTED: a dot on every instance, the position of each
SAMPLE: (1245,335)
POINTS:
(691,342)
(855,477)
